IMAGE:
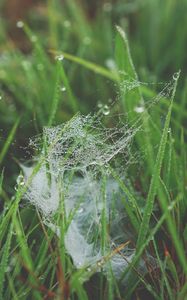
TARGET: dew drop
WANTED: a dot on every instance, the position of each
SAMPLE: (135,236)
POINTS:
(80,210)
(20,24)
(139,109)
(63,89)
(176,76)
(20,181)
(106,110)
(110,63)
(99,105)
(34,38)
(59,57)
(88,269)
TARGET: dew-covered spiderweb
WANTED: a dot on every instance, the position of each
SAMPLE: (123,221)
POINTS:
(74,178)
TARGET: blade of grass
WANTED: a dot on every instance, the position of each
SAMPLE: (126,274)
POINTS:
(89,65)
(9,140)
(4,260)
(56,97)
(131,100)
(150,236)
(156,174)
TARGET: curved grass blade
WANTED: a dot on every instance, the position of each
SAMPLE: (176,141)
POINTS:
(89,65)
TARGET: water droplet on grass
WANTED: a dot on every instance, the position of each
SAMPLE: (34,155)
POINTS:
(139,109)
(20,181)
(63,89)
(110,63)
(34,38)
(99,105)
(106,110)
(59,57)
(20,24)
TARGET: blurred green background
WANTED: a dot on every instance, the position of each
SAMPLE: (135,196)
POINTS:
(157,33)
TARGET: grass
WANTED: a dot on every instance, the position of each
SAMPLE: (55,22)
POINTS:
(39,89)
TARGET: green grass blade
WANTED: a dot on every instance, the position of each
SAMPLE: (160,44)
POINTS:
(156,174)
(71,96)
(4,260)
(127,73)
(89,65)
(9,140)
(56,97)
(177,242)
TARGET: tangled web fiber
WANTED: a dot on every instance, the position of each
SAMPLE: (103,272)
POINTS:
(74,178)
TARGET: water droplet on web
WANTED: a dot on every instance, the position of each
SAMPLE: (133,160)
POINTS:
(59,57)
(169,130)
(80,210)
(88,269)
(20,24)
(139,109)
(99,105)
(63,89)
(176,76)
(106,110)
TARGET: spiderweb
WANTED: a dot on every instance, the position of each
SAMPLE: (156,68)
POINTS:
(75,158)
